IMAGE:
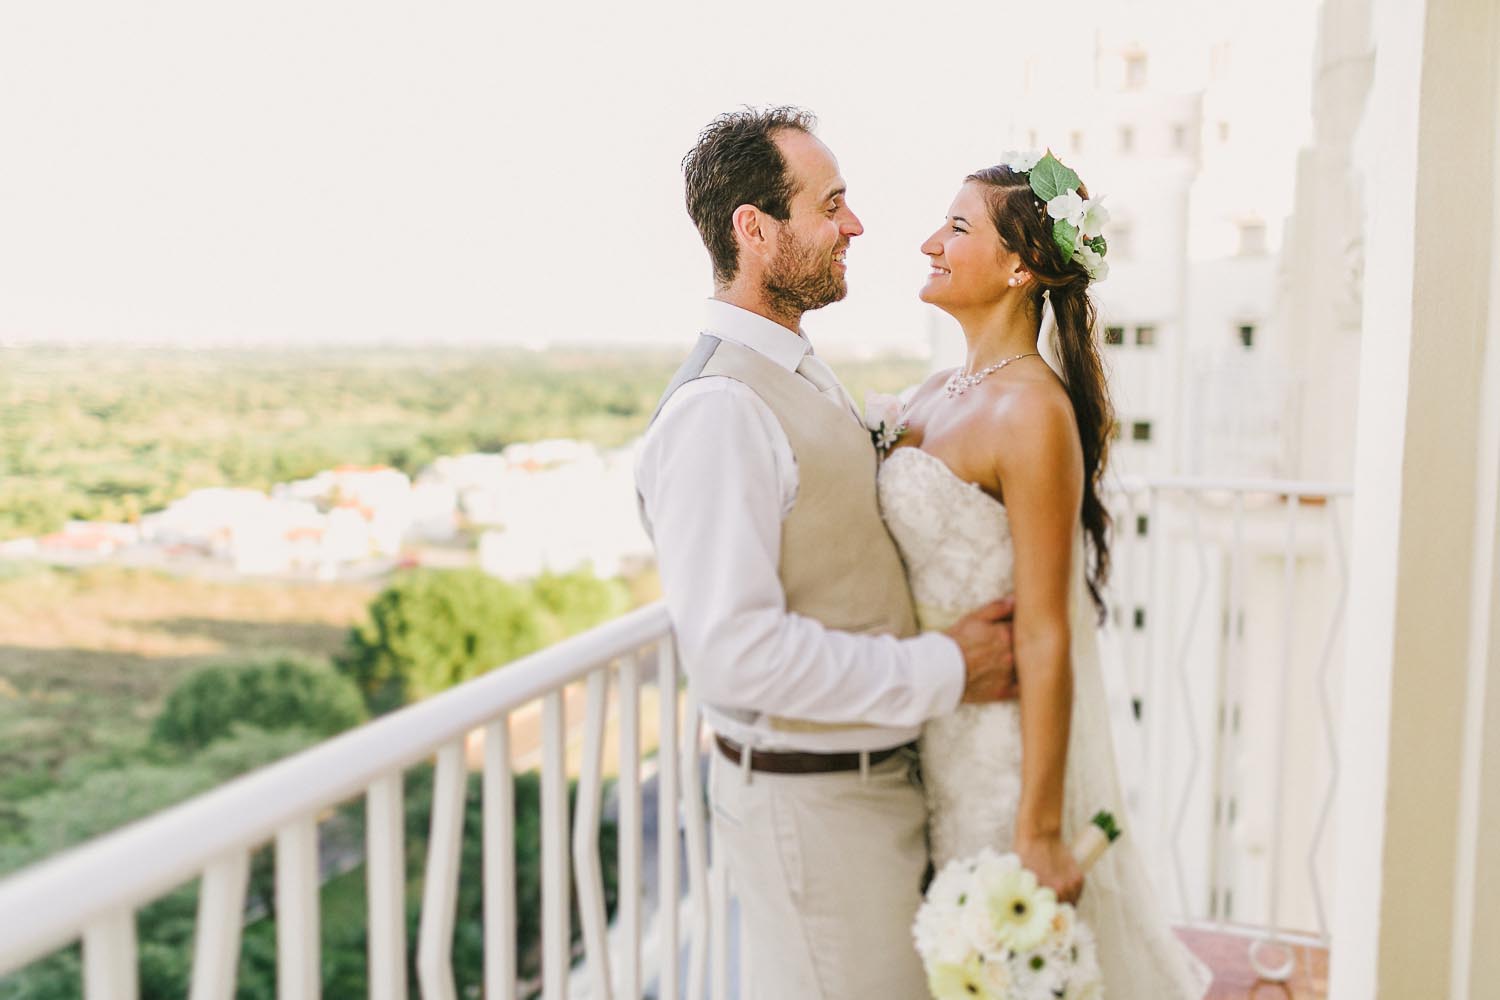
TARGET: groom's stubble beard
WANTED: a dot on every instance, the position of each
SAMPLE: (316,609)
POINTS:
(798,281)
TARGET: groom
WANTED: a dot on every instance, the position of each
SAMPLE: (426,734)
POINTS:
(788,598)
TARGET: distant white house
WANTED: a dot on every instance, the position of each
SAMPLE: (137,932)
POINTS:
(207,519)
(18,548)
(560,516)
(83,538)
(335,518)
(533,455)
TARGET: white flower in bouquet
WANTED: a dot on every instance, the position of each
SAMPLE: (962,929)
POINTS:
(1086,981)
(1032,976)
(939,929)
(883,418)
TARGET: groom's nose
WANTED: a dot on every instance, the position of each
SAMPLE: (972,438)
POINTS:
(850,226)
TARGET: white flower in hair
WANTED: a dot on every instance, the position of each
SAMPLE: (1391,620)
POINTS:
(1095,215)
(1093,262)
(1067,207)
(1022,161)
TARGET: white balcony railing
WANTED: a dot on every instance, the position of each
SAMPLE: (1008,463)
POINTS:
(1217,823)
(93,892)
(1227,611)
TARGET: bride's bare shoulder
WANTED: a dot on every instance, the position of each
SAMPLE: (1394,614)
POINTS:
(1030,417)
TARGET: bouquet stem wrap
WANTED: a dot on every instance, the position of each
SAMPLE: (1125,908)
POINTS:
(1090,845)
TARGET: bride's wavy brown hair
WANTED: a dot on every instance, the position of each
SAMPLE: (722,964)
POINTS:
(1021,220)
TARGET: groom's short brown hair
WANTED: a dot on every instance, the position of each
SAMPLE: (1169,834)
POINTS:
(735,162)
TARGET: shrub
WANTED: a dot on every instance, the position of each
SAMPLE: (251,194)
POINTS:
(578,601)
(282,693)
(431,629)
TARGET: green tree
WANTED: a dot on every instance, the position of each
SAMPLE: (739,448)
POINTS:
(579,600)
(287,692)
(431,629)
(108,799)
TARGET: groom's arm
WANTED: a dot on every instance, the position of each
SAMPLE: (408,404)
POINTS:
(715,493)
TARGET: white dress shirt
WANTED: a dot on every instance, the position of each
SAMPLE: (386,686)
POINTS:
(717,477)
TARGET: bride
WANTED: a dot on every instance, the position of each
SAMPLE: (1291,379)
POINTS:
(993,487)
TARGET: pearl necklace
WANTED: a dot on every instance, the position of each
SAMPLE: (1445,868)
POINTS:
(961,382)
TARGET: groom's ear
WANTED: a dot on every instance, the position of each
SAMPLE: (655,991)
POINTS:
(750,230)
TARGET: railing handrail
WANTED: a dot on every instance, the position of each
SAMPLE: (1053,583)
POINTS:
(43,907)
(1279,487)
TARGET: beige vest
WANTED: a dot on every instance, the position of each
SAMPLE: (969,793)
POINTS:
(838,564)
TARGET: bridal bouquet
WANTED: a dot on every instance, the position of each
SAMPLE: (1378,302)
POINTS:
(988,931)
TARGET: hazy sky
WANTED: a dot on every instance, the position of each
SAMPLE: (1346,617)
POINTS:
(473,172)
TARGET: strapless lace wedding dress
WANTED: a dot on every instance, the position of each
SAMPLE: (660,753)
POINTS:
(956,542)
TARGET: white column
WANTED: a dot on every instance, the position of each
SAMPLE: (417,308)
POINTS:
(1416,885)
(1476,960)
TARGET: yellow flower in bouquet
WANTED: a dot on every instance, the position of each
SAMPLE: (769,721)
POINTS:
(972,979)
(1020,910)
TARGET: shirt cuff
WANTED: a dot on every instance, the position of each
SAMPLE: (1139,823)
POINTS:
(940,650)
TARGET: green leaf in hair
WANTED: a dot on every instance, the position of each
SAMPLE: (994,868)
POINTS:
(1049,178)
(1065,235)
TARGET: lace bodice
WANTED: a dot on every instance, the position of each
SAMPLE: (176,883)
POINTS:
(953,536)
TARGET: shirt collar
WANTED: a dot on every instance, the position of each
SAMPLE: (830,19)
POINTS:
(748,329)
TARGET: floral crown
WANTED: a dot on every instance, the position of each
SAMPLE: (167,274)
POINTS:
(1076,222)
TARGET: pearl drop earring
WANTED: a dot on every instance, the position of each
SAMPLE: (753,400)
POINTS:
(1014,282)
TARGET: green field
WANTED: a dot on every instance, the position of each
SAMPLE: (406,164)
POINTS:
(111,434)
(87,658)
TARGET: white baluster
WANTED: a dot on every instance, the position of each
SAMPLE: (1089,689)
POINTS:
(1185,689)
(1281,971)
(109,958)
(694,828)
(499,864)
(1152,701)
(718,956)
(298,944)
(440,885)
(668,889)
(1227,765)
(586,867)
(1325,708)
(556,926)
(385,886)
(628,915)
(221,915)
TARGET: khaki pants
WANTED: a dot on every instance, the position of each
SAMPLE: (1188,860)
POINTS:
(828,870)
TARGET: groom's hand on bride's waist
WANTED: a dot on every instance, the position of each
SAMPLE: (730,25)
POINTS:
(984,638)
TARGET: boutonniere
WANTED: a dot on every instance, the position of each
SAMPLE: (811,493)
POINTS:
(883,418)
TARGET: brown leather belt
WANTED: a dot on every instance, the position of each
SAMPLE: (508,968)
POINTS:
(801,762)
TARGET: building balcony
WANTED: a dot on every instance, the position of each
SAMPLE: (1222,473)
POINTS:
(1227,605)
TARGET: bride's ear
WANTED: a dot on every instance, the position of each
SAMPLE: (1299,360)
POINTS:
(1019,278)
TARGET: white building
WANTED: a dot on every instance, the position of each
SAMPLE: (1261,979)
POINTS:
(1195,151)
